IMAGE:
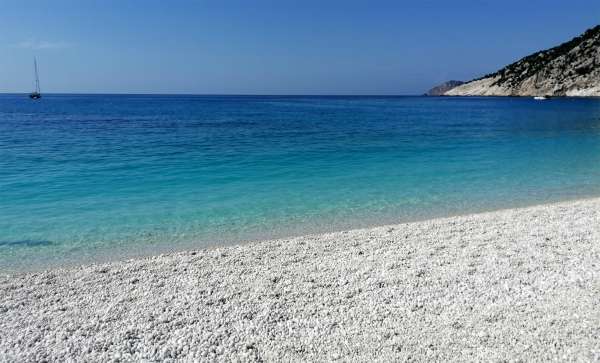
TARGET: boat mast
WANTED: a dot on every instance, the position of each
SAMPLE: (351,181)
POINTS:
(37,79)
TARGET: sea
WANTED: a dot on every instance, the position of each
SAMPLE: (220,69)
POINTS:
(91,178)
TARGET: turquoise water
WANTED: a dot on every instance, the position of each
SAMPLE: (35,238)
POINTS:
(99,176)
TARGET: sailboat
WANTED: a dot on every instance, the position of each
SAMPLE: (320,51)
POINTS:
(36,95)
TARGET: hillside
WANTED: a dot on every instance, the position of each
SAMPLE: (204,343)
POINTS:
(570,69)
(443,88)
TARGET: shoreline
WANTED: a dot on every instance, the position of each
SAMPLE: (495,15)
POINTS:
(126,254)
(559,97)
(515,283)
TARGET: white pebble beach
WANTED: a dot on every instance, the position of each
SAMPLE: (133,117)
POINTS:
(512,285)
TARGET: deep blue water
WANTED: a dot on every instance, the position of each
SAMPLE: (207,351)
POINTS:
(101,176)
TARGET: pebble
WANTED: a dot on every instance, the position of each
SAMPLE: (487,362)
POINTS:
(485,287)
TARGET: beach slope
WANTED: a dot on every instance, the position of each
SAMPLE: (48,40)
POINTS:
(521,284)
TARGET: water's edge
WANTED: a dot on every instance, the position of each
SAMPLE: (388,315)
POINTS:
(122,256)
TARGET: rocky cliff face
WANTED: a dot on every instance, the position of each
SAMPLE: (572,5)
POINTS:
(570,69)
(443,88)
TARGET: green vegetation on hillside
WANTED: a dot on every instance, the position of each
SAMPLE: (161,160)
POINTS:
(515,73)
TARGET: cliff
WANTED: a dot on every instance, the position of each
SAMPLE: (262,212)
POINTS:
(570,69)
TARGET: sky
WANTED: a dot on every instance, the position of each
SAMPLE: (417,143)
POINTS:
(273,47)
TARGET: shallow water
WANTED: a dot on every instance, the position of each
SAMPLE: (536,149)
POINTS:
(104,176)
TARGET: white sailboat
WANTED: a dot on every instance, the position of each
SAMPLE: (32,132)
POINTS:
(36,95)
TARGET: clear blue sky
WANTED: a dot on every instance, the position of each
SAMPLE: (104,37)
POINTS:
(273,47)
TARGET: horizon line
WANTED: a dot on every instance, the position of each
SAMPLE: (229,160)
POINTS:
(218,94)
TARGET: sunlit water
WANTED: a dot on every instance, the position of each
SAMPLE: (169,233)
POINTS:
(96,177)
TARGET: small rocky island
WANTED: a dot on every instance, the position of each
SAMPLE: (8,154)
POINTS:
(570,69)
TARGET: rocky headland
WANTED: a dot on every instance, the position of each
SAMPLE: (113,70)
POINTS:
(570,69)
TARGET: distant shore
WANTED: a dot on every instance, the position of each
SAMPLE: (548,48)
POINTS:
(517,284)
